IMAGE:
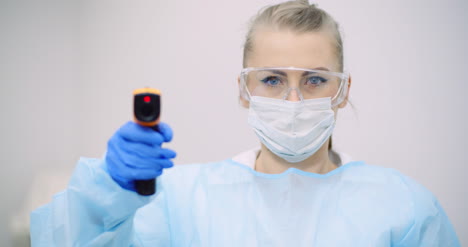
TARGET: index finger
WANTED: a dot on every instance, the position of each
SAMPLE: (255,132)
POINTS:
(134,132)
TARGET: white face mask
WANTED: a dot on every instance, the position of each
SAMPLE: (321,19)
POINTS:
(292,130)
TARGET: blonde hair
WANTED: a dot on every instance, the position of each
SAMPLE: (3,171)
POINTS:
(298,16)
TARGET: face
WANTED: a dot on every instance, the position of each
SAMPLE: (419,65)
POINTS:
(283,48)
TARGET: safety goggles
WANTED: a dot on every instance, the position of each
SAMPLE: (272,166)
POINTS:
(280,82)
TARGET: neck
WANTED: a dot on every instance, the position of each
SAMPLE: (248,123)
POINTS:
(268,162)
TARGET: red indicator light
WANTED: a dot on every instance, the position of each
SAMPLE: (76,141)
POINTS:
(147,99)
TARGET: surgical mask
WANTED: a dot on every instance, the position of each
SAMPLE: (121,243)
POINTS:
(293,131)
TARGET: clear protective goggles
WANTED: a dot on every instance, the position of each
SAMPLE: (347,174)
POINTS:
(282,82)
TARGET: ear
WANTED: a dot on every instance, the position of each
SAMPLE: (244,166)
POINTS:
(345,101)
(243,102)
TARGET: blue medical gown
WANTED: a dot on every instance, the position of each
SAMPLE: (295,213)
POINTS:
(229,204)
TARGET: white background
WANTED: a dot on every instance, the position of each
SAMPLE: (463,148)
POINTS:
(68,68)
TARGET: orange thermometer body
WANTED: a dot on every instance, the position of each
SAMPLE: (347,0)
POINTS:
(146,111)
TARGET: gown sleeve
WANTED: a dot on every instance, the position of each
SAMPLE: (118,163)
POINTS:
(430,226)
(95,211)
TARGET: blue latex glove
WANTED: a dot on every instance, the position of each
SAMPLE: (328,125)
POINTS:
(134,152)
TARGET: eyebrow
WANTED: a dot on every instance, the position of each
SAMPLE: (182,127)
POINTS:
(310,72)
(322,68)
(279,72)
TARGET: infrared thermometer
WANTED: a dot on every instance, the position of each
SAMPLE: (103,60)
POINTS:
(146,111)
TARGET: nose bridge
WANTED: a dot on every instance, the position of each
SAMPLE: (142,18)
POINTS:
(294,79)
(293,94)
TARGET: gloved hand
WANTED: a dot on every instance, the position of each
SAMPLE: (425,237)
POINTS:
(134,152)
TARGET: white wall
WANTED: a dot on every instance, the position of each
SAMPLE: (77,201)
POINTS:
(38,96)
(68,69)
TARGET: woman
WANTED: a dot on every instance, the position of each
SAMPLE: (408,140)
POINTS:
(293,191)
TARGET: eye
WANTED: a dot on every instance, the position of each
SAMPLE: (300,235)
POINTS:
(271,81)
(316,80)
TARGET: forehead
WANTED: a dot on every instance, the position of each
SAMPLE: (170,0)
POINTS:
(278,48)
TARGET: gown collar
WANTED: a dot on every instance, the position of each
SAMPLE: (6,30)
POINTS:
(248,157)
